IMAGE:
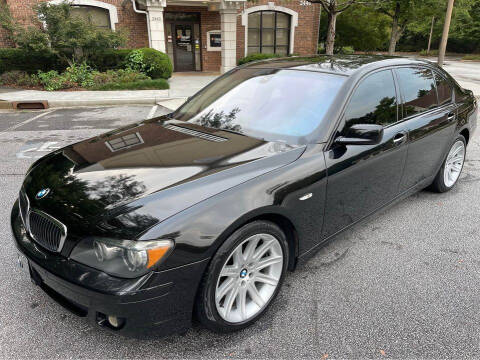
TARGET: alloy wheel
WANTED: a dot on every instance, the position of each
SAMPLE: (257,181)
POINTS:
(249,278)
(454,163)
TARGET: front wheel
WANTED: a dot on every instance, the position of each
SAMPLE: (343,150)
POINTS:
(243,278)
(452,167)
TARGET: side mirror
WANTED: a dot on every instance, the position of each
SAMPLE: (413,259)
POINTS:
(362,134)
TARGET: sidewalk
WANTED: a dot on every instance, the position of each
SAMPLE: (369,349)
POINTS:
(182,85)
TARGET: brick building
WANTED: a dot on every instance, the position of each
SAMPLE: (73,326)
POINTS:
(199,35)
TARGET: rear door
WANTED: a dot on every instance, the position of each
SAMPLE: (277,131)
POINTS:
(430,118)
(361,178)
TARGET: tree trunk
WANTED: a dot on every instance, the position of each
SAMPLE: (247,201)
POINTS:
(394,36)
(446,28)
(430,36)
(329,44)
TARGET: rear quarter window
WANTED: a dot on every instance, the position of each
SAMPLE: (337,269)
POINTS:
(444,90)
(418,90)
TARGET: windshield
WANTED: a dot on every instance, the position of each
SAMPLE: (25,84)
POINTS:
(271,104)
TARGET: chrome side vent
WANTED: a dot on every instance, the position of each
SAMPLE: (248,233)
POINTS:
(195,133)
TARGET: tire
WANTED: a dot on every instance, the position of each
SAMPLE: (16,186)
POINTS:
(443,182)
(222,292)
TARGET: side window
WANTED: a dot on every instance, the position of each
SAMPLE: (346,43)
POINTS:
(374,101)
(418,90)
(443,89)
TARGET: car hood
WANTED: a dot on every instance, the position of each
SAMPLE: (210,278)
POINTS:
(127,180)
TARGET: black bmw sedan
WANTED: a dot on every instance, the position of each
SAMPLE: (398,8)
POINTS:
(200,213)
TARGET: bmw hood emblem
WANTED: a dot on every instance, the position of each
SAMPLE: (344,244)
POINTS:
(42,193)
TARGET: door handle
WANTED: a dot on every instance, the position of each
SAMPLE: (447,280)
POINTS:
(400,138)
(451,116)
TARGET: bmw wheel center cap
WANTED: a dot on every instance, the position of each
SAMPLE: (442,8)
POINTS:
(42,193)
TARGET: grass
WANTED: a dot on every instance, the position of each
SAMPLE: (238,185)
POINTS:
(155,84)
(472,57)
(429,53)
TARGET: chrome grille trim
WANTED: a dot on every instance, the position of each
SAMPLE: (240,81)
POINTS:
(43,228)
(195,133)
(46,230)
(24,207)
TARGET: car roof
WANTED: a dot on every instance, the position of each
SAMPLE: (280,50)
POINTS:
(345,65)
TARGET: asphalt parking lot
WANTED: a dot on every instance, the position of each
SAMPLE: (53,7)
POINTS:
(404,284)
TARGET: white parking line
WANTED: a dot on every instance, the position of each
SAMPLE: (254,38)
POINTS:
(27,121)
(152,112)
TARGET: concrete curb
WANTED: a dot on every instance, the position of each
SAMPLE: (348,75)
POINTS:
(5,105)
(86,98)
(105,102)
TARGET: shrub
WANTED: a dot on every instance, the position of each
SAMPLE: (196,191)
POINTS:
(472,57)
(152,62)
(255,57)
(155,84)
(80,74)
(19,78)
(31,62)
(346,50)
(52,80)
(109,59)
(118,76)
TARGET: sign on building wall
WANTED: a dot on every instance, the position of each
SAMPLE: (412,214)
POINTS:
(214,40)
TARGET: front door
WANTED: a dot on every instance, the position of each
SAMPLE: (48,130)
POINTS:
(362,178)
(183,46)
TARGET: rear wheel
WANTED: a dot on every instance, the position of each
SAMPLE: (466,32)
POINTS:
(243,278)
(452,167)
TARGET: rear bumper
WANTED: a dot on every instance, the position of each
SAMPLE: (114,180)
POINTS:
(158,304)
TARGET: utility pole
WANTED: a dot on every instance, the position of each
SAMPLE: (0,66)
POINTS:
(430,37)
(446,28)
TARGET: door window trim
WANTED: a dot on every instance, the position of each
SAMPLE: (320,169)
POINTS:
(452,92)
(426,112)
(341,118)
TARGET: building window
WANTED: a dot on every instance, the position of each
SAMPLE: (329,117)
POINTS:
(97,16)
(269,32)
(102,14)
(124,142)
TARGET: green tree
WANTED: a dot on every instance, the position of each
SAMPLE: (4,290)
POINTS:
(6,20)
(363,28)
(405,12)
(464,30)
(332,8)
(465,27)
(70,37)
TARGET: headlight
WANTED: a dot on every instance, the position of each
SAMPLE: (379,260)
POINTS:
(122,258)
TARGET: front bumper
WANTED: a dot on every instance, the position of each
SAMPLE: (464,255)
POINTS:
(157,304)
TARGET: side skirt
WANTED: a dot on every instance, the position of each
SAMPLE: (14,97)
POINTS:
(416,188)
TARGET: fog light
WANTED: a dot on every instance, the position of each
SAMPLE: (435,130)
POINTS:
(115,321)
